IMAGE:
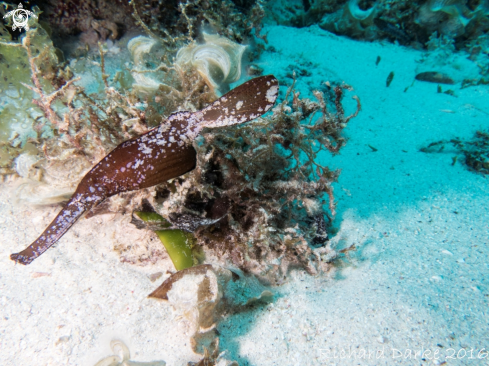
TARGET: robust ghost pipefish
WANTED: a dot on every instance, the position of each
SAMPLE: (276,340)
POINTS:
(162,153)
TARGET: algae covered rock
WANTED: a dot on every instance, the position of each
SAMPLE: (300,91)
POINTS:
(18,115)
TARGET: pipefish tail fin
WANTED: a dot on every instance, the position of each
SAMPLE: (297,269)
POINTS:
(71,212)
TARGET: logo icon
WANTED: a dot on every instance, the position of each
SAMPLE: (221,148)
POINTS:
(20,17)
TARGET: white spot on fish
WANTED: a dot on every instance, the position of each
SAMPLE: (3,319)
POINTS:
(137,164)
(145,149)
(272,94)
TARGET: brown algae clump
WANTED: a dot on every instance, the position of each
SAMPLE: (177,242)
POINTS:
(263,185)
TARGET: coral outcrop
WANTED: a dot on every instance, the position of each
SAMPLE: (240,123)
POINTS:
(93,21)
(453,17)
(407,22)
(352,20)
(173,22)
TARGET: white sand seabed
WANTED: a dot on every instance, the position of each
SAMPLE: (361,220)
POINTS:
(417,283)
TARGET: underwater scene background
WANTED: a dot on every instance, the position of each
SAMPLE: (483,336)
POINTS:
(339,220)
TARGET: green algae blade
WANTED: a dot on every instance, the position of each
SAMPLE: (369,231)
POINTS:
(178,245)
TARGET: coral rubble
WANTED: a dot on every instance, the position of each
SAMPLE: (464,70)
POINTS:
(475,151)
(204,293)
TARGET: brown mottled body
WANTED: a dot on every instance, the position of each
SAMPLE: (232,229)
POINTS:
(163,153)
